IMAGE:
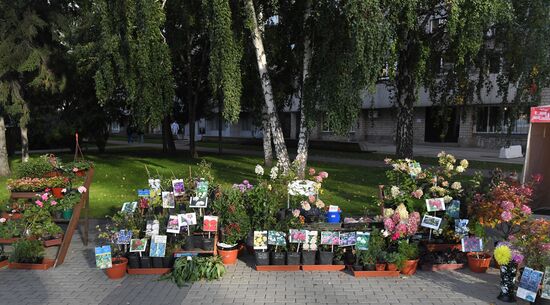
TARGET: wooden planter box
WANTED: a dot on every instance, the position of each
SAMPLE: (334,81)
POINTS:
(53,242)
(9,240)
(13,215)
(148,270)
(323,267)
(16,195)
(45,265)
(278,268)
(440,267)
(4,263)
(443,247)
(374,273)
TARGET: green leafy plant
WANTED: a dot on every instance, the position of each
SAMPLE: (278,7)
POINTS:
(188,270)
(58,182)
(394,258)
(234,221)
(77,166)
(27,251)
(262,204)
(407,251)
(68,201)
(11,228)
(33,168)
(366,257)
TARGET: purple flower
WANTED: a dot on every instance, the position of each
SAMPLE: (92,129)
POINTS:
(245,182)
(517,257)
(507,205)
(506,216)
(526,210)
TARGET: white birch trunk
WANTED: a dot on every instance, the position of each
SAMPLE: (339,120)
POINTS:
(303,135)
(275,125)
(4,164)
(24,144)
(268,151)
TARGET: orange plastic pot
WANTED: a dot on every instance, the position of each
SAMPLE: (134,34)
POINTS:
(229,257)
(380,267)
(118,270)
(409,267)
(479,262)
(392,267)
(57,192)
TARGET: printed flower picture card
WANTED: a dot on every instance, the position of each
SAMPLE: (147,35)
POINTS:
(362,242)
(461,226)
(453,209)
(311,241)
(296,236)
(158,246)
(330,238)
(144,193)
(435,204)
(173,225)
(187,219)
(276,238)
(103,257)
(431,222)
(129,207)
(545,293)
(168,200)
(154,184)
(472,244)
(347,239)
(123,237)
(198,202)
(138,245)
(202,188)
(529,284)
(179,189)
(260,240)
(210,223)
(152,227)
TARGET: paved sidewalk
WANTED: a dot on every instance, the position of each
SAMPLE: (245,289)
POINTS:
(78,282)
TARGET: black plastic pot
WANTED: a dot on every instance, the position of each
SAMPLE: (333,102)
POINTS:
(308,257)
(208,244)
(189,244)
(349,258)
(157,210)
(325,257)
(133,261)
(157,262)
(358,267)
(369,267)
(168,262)
(277,258)
(293,258)
(145,262)
(262,258)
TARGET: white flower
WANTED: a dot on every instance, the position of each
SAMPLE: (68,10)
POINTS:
(305,247)
(388,212)
(395,191)
(313,247)
(319,204)
(464,163)
(385,233)
(447,199)
(402,211)
(274,172)
(306,206)
(450,167)
(460,169)
(259,170)
(456,186)
(82,189)
(2,220)
(441,154)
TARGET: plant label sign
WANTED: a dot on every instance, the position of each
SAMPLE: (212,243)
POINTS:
(260,240)
(362,242)
(187,219)
(173,225)
(158,246)
(431,222)
(210,223)
(276,238)
(435,204)
(138,245)
(347,239)
(296,236)
(179,189)
(545,294)
(472,244)
(129,207)
(103,257)
(311,241)
(168,201)
(461,226)
(330,238)
(152,228)
(144,193)
(529,284)
(453,210)
(202,188)
(123,237)
(154,184)
(333,208)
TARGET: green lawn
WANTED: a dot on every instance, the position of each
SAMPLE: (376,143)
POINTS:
(121,171)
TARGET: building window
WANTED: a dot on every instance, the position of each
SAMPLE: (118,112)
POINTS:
(492,119)
(325,126)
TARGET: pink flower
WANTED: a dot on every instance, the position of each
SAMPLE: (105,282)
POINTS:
(545,247)
(507,205)
(525,210)
(389,224)
(395,236)
(82,189)
(311,198)
(2,220)
(311,171)
(44,196)
(417,194)
(75,169)
(506,216)
(296,213)
(319,179)
(401,229)
(39,203)
(537,178)
(323,175)
(53,202)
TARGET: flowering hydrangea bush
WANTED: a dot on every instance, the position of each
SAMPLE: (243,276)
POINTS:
(533,238)
(399,223)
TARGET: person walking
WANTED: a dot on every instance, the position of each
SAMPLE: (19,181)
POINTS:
(175,127)
(129,133)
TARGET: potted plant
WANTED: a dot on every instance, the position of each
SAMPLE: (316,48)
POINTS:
(368,260)
(393,259)
(277,255)
(78,168)
(479,262)
(27,251)
(188,270)
(508,259)
(35,168)
(325,256)
(293,255)
(408,253)
(359,261)
(67,203)
(57,185)
(109,235)
(27,184)
(10,229)
(381,260)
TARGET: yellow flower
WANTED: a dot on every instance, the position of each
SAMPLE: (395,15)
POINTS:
(503,255)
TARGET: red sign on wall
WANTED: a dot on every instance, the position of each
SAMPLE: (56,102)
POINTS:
(540,114)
